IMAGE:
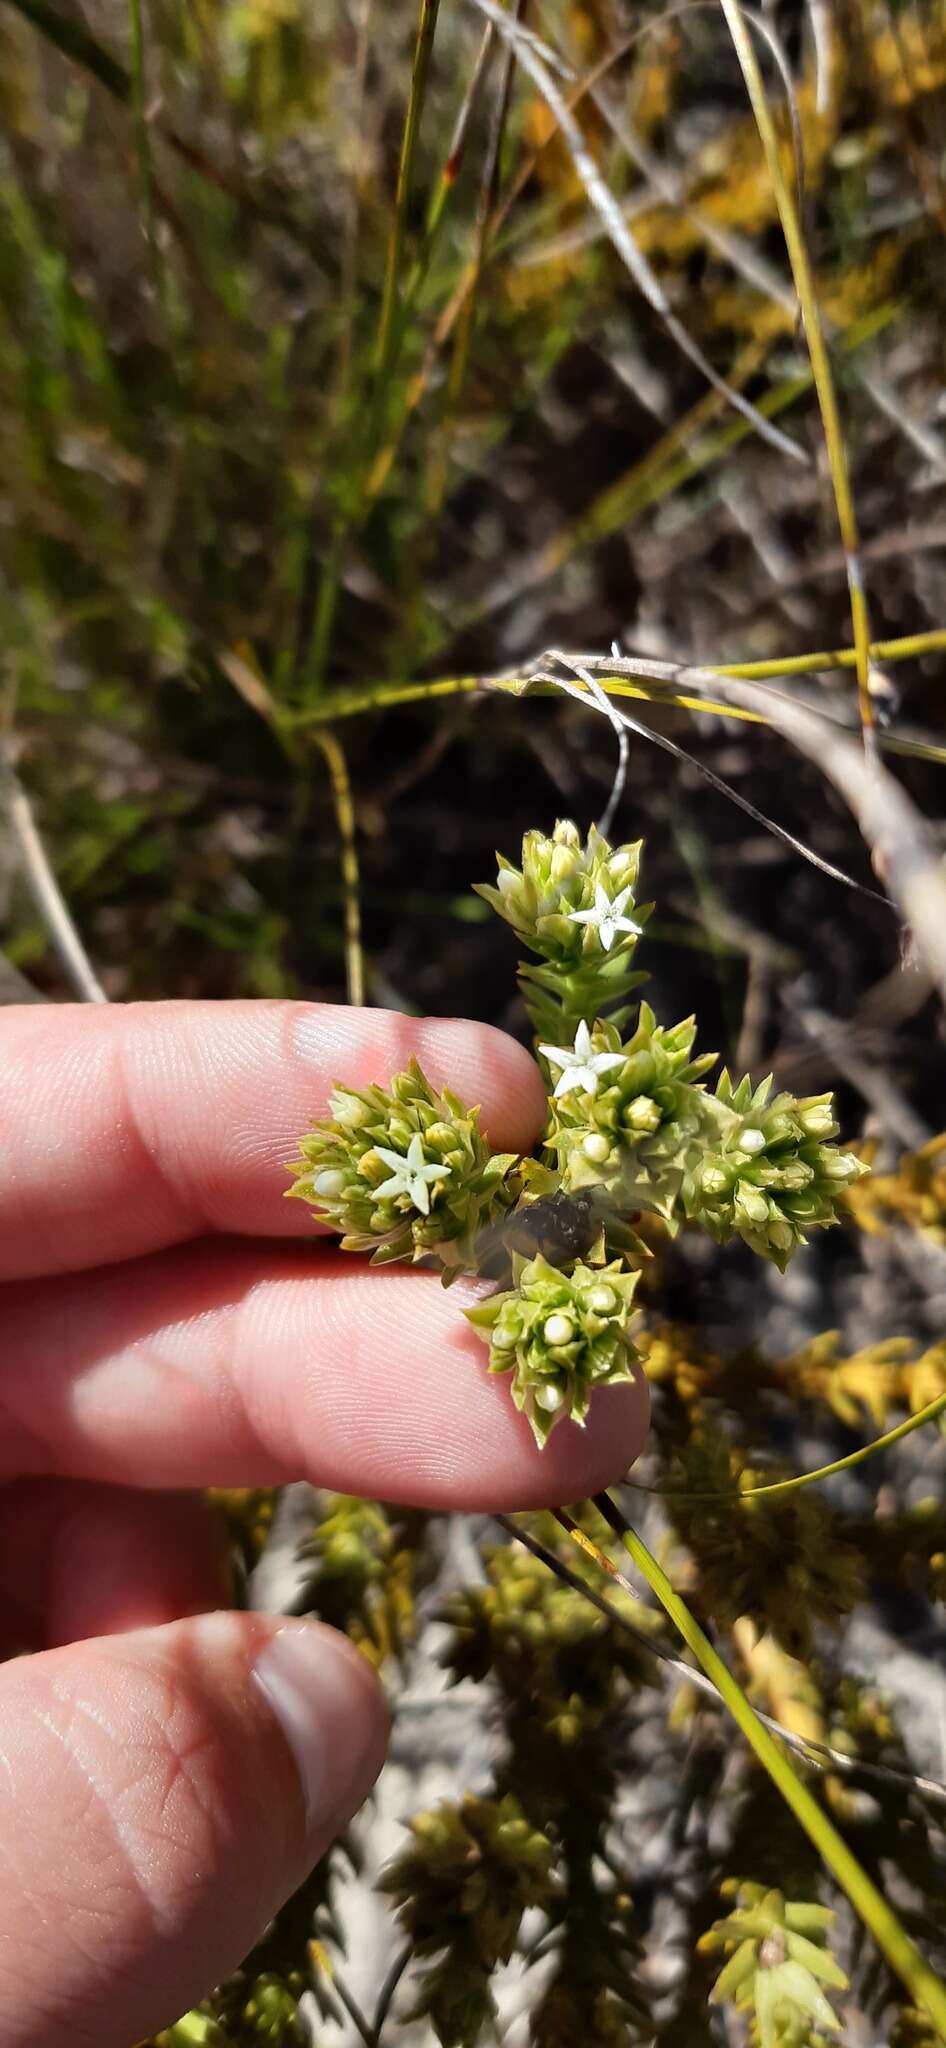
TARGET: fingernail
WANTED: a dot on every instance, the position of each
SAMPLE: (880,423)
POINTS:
(322,1701)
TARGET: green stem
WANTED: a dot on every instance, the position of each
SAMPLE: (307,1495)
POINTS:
(348,855)
(777,1487)
(386,343)
(901,1953)
(817,350)
(380,696)
(386,346)
(143,144)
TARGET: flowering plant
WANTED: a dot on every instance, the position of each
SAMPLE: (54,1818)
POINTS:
(405,1173)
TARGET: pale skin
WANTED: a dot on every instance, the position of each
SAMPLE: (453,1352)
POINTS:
(170,1769)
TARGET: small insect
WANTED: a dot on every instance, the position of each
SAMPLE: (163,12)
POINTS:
(561,1226)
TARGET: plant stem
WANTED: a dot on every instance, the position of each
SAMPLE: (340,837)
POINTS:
(46,893)
(386,346)
(348,860)
(818,351)
(379,696)
(778,1487)
(387,337)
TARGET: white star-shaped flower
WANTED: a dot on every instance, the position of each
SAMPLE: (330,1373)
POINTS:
(580,1066)
(411,1175)
(607,918)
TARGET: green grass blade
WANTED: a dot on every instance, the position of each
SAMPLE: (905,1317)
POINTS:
(817,349)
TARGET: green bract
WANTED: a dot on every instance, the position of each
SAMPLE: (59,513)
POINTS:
(765,1169)
(779,1965)
(560,1335)
(632,1135)
(573,903)
(404,1173)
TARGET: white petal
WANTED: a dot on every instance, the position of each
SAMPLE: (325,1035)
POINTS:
(583,1040)
(602,1062)
(395,1160)
(389,1188)
(558,1055)
(419,1196)
(432,1173)
(566,1081)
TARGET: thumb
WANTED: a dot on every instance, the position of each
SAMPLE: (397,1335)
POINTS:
(162,1793)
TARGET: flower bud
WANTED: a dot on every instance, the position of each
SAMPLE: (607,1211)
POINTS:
(602,1300)
(642,1114)
(751,1141)
(559,1330)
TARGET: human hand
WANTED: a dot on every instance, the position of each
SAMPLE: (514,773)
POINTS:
(169,1770)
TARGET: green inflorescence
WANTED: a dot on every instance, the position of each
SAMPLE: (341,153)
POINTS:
(561,1335)
(462,1884)
(779,1968)
(573,903)
(405,1173)
(639,1144)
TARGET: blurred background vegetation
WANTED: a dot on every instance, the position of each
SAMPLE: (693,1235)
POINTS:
(287,436)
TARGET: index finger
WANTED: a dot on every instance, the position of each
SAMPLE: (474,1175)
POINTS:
(126,1129)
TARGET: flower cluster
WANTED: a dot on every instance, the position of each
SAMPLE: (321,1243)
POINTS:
(572,903)
(404,1173)
(626,1113)
(462,1884)
(633,1116)
(778,1964)
(565,1663)
(364,1561)
(913,1194)
(560,1335)
(765,1169)
(261,2010)
(777,1559)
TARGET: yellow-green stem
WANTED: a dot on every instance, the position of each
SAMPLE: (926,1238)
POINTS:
(348,861)
(386,343)
(775,1488)
(385,352)
(381,696)
(817,349)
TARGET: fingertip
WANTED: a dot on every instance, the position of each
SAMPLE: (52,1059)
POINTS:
(438,1429)
(579,1462)
(330,1708)
(164,1793)
(484,1066)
